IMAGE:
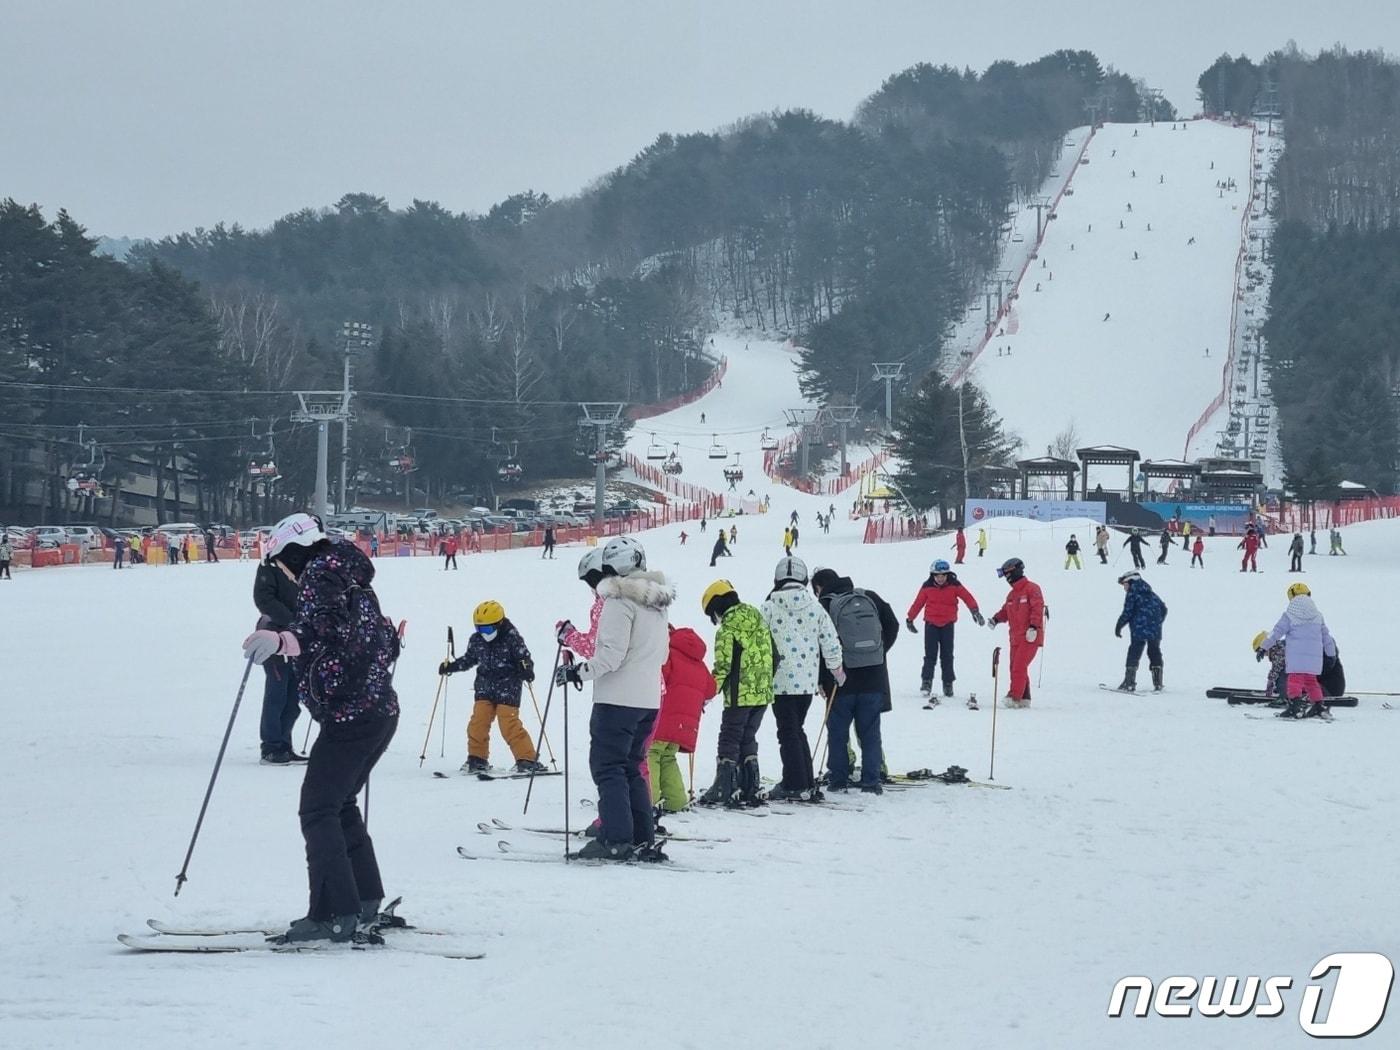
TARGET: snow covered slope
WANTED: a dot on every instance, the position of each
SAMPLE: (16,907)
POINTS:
(1132,286)
(1144,835)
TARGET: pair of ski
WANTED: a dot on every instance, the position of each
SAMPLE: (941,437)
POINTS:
(496,824)
(1259,696)
(499,774)
(505,850)
(953,775)
(935,702)
(233,939)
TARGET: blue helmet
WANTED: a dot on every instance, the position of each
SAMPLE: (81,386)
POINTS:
(941,565)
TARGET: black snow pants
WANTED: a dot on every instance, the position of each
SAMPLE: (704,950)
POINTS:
(738,732)
(938,640)
(617,746)
(790,710)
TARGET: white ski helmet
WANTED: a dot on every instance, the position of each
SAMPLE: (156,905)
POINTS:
(622,555)
(592,561)
(790,570)
(295,530)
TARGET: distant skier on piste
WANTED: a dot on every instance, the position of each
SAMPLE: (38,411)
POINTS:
(1101,538)
(503,667)
(1072,553)
(720,549)
(960,546)
(938,601)
(345,649)
(1024,615)
(1250,545)
(1307,645)
(1135,543)
(1166,542)
(1295,553)
(632,644)
(1143,614)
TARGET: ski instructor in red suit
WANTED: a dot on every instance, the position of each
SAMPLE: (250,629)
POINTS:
(1024,615)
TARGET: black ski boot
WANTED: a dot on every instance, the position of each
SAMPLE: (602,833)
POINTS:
(597,849)
(530,765)
(947,687)
(1316,709)
(1129,683)
(925,689)
(343,929)
(1294,709)
(650,853)
(725,790)
(1156,679)
(750,789)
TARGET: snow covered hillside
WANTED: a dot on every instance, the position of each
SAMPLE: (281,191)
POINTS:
(1143,834)
(1122,322)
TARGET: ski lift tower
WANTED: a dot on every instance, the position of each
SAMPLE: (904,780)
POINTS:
(357,337)
(802,420)
(600,414)
(843,416)
(891,372)
(322,407)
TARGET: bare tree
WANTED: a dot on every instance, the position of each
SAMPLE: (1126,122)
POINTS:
(1066,442)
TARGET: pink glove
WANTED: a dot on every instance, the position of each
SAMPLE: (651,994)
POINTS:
(840,675)
(261,646)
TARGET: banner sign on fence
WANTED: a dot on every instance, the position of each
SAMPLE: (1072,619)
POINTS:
(1228,518)
(980,510)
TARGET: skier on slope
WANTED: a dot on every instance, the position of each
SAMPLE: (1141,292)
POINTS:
(1198,549)
(1307,645)
(744,673)
(960,545)
(345,649)
(804,639)
(686,686)
(1072,553)
(1143,614)
(631,646)
(1165,541)
(1295,553)
(1135,543)
(503,666)
(1101,538)
(1250,545)
(1023,612)
(720,549)
(938,600)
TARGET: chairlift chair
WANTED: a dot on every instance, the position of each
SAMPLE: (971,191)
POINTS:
(717,451)
(656,450)
(768,442)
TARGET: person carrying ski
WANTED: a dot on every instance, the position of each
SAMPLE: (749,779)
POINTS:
(686,685)
(1198,549)
(744,672)
(1101,538)
(1072,553)
(938,600)
(868,629)
(1295,553)
(631,647)
(720,549)
(1307,644)
(1250,545)
(1023,612)
(960,545)
(981,542)
(1165,541)
(1135,543)
(805,640)
(503,666)
(1143,614)
(345,650)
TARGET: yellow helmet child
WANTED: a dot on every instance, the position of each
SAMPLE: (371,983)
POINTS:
(1295,589)
(488,614)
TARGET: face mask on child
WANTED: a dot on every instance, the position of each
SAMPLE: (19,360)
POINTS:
(488,633)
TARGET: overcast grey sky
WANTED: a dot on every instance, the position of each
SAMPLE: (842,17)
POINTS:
(146,117)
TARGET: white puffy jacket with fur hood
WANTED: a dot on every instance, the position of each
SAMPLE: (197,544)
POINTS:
(633,641)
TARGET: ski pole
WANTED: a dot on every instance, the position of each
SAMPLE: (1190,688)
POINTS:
(830,699)
(996,663)
(442,685)
(451,655)
(543,735)
(181,878)
(690,787)
(1368,692)
(403,628)
(567,832)
(548,699)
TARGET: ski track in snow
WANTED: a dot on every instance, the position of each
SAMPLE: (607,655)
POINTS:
(1145,835)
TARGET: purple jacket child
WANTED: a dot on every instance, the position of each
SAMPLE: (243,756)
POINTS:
(1305,637)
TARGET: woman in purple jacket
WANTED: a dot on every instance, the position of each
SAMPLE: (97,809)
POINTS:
(1306,642)
(344,650)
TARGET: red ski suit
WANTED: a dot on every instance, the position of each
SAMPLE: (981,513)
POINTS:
(940,604)
(1250,544)
(1024,609)
(960,542)
(688,684)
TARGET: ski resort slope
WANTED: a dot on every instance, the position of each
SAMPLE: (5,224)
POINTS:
(1115,344)
(760,384)
(1153,835)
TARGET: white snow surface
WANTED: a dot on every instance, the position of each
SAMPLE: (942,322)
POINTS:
(1114,344)
(1154,835)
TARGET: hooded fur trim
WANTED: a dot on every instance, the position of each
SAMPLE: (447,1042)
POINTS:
(649,589)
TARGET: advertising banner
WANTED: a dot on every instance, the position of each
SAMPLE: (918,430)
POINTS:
(976,511)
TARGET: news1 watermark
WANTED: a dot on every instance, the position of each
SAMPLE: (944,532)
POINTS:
(1359,987)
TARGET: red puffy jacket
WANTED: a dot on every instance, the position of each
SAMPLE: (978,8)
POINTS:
(1025,607)
(940,604)
(688,685)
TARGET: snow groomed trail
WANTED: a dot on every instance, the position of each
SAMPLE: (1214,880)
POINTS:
(1132,285)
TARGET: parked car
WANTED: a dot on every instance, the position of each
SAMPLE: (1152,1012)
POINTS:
(46,536)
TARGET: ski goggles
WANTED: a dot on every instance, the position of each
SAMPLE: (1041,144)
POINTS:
(486,630)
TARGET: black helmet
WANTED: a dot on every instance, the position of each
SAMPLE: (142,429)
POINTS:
(1012,569)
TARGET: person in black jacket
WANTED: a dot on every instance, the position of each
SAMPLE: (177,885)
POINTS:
(503,667)
(865,692)
(1135,543)
(1295,553)
(275,595)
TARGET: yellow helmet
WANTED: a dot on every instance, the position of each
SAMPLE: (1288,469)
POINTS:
(712,592)
(1295,589)
(1259,639)
(488,612)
